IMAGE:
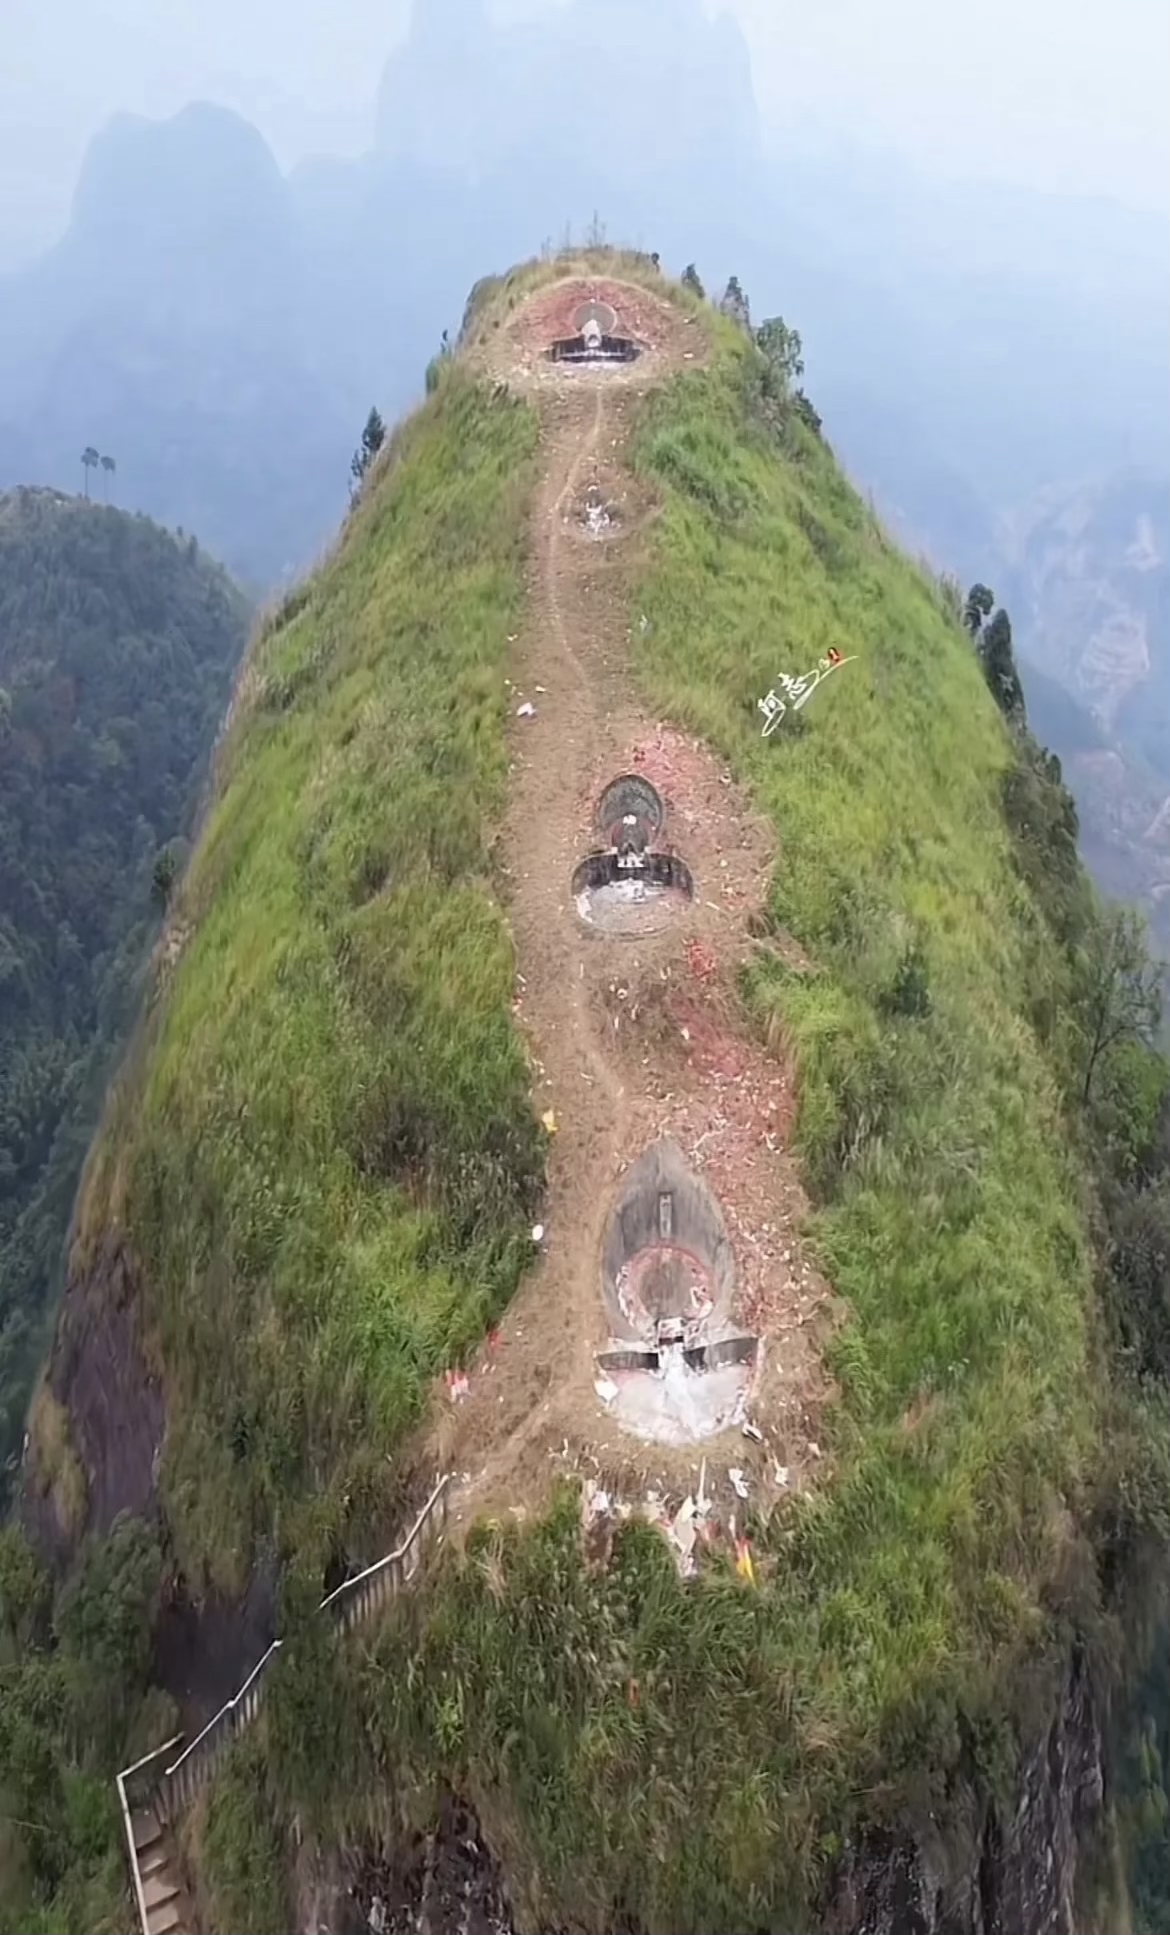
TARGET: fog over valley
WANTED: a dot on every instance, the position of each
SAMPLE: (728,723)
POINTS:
(987,346)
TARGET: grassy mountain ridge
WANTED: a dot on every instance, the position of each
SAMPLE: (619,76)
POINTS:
(322,1175)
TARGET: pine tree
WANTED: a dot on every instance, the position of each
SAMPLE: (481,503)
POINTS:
(977,608)
(735,304)
(373,437)
(999,665)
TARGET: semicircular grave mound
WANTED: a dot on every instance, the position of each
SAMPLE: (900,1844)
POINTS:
(630,806)
(666,1252)
(536,342)
(631,893)
(677,1370)
(601,313)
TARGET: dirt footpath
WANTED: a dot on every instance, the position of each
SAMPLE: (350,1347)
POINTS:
(636,1038)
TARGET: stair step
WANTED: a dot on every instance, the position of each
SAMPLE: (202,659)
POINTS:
(167,1920)
(154,1857)
(159,1888)
(146,1827)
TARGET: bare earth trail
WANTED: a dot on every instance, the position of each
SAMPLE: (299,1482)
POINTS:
(629,1039)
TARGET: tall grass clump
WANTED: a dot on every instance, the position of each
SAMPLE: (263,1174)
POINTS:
(333,1160)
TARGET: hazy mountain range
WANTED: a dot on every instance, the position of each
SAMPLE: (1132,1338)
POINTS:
(993,365)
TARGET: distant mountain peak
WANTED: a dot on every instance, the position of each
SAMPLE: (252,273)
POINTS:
(204,153)
(444,22)
(463,95)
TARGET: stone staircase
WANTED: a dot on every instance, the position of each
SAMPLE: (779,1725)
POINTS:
(163,1906)
(155,1793)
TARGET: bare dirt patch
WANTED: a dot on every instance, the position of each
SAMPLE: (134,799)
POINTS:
(630,1039)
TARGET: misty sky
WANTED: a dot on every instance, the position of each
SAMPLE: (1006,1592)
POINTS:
(1064,94)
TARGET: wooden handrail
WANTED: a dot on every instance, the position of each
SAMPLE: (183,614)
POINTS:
(199,1750)
(228,1707)
(350,1586)
(126,1774)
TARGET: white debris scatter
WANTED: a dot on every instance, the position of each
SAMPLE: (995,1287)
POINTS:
(676,1405)
(606,1389)
(526,711)
(595,1503)
(683,1531)
(538,1232)
(739,1481)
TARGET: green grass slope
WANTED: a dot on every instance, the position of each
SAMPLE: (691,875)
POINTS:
(950,1217)
(677,1757)
(327,1171)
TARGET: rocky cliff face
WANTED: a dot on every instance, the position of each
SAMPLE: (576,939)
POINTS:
(1013,1873)
(96,1434)
(1019,1873)
(98,1422)
(430,1884)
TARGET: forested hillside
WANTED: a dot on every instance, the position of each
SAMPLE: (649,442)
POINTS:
(117,646)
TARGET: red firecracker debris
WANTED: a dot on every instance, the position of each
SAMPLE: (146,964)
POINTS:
(701,961)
